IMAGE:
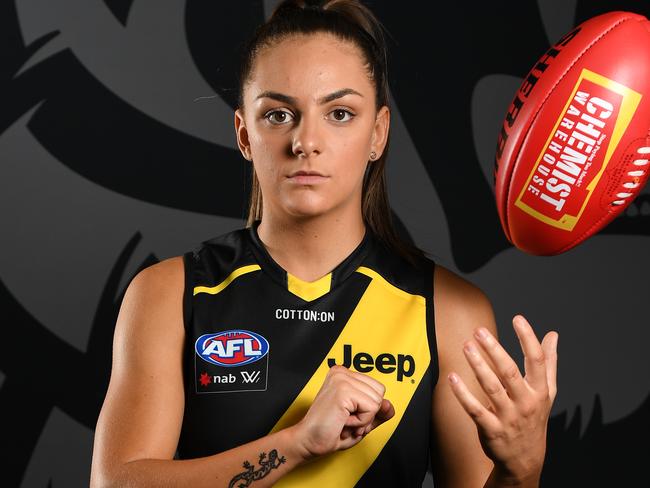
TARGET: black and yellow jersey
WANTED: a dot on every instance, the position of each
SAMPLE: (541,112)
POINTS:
(259,343)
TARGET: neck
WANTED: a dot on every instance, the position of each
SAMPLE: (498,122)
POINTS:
(309,248)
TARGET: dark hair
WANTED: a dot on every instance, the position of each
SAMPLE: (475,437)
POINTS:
(352,21)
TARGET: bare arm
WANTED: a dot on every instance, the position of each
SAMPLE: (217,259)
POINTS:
(139,424)
(458,460)
(490,409)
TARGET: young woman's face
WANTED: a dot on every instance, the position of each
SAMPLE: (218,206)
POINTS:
(310,107)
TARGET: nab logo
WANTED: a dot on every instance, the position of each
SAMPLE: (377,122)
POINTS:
(231,347)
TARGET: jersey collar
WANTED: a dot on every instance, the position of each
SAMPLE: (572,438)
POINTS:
(309,290)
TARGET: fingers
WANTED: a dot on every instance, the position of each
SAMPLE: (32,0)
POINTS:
(373,383)
(347,406)
(507,370)
(365,388)
(549,345)
(370,409)
(373,389)
(386,412)
(534,355)
(362,409)
(502,380)
(361,401)
(488,380)
(483,418)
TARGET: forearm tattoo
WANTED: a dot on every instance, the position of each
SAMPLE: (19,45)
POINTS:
(250,475)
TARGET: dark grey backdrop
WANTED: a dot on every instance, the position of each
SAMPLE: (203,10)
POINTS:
(108,164)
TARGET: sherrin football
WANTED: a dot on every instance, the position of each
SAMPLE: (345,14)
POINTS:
(574,147)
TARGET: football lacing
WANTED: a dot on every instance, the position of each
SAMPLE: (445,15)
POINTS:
(636,174)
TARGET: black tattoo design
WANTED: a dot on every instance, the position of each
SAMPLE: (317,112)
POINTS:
(251,475)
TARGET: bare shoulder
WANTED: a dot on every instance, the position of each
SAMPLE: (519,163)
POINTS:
(167,274)
(460,307)
(153,300)
(150,316)
(458,304)
(450,285)
(155,291)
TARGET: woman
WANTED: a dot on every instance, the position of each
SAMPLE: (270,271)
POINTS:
(346,372)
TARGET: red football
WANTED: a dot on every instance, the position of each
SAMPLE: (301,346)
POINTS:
(574,147)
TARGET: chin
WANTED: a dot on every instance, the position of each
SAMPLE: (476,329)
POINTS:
(304,203)
(304,213)
(307,209)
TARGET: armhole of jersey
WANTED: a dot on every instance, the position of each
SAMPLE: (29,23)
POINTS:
(188,287)
(431,331)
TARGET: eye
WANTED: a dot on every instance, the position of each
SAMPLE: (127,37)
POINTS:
(278,121)
(341,112)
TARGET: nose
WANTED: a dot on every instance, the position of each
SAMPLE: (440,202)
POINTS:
(307,136)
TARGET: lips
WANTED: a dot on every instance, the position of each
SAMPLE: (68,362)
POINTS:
(305,173)
(307,178)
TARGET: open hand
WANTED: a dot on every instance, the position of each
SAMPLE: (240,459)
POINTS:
(512,428)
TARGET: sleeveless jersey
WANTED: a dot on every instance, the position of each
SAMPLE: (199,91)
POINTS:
(259,343)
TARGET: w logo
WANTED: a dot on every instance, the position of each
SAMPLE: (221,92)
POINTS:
(249,377)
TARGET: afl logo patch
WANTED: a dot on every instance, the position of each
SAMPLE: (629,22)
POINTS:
(231,348)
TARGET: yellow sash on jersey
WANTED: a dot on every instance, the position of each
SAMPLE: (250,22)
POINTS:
(386,320)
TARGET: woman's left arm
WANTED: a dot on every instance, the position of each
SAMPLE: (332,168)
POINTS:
(491,413)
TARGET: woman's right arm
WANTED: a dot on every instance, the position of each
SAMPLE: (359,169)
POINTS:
(139,424)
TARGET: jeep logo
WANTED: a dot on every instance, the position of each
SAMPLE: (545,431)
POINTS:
(385,363)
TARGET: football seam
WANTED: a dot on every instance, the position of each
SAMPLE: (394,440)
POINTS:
(539,108)
(588,231)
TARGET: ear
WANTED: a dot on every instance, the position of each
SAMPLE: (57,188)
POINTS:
(242,135)
(380,131)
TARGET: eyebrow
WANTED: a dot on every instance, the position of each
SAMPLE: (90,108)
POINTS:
(327,98)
